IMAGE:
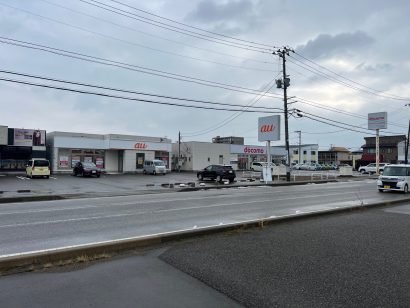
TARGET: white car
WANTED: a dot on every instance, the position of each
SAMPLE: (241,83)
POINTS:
(371,168)
(395,177)
(258,166)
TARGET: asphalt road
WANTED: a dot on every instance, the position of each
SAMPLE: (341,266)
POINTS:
(354,259)
(39,226)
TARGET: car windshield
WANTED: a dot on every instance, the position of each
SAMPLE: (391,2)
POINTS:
(227,167)
(159,163)
(89,165)
(395,171)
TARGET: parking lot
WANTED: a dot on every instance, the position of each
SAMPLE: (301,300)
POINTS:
(19,185)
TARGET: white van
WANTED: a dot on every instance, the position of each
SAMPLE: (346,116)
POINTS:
(155,166)
(395,177)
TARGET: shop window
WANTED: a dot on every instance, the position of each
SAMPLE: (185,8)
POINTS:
(209,159)
(313,152)
(295,152)
(140,160)
(304,152)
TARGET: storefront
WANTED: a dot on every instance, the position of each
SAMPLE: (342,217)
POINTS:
(246,154)
(19,145)
(113,153)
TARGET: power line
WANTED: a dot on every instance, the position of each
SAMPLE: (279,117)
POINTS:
(129,91)
(353,81)
(230,118)
(129,42)
(336,110)
(176,29)
(193,27)
(346,84)
(130,67)
(124,97)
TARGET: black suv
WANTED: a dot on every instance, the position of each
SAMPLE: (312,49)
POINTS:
(217,172)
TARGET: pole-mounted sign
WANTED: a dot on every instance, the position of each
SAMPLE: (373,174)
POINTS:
(377,121)
(269,128)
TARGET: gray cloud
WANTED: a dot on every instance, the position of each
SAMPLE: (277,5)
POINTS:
(220,12)
(383,67)
(325,45)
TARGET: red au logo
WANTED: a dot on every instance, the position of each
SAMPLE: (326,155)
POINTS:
(267,128)
(140,145)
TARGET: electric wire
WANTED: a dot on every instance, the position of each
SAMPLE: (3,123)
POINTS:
(130,67)
(176,29)
(193,27)
(130,42)
(129,91)
(350,80)
(126,98)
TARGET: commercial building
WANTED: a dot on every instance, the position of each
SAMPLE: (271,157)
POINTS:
(197,155)
(335,156)
(308,153)
(229,140)
(18,145)
(388,147)
(113,153)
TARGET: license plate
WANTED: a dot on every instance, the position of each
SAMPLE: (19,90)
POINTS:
(230,171)
(93,171)
(386,186)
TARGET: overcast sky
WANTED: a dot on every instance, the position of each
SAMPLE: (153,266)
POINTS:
(366,43)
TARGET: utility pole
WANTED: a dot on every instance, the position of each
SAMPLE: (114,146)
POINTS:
(179,151)
(300,144)
(282,52)
(406,143)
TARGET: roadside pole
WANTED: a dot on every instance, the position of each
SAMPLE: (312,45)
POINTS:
(377,151)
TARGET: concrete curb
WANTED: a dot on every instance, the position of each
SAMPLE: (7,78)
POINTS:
(24,262)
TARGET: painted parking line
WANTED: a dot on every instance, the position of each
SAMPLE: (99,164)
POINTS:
(22,178)
(53,178)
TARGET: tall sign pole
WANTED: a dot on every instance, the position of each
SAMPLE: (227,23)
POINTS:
(377,121)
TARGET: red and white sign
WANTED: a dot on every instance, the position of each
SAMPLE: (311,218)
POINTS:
(269,128)
(140,145)
(377,120)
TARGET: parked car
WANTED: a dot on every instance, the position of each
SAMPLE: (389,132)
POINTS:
(371,168)
(258,166)
(218,173)
(38,167)
(395,177)
(297,167)
(154,167)
(86,169)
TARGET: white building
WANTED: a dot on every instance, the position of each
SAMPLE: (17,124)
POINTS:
(113,153)
(197,155)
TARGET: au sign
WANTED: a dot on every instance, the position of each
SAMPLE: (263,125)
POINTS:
(267,128)
(140,145)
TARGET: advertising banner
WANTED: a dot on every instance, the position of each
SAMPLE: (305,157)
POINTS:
(377,120)
(63,162)
(99,162)
(29,137)
(269,128)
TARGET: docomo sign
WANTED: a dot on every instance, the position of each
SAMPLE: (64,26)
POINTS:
(248,150)
(269,128)
(140,145)
(377,120)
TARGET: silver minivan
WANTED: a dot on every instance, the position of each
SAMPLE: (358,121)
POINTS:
(395,177)
(155,166)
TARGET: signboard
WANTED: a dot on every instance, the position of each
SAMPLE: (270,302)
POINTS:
(63,162)
(29,137)
(377,120)
(99,162)
(269,128)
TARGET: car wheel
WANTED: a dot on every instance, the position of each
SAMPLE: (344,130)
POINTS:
(362,171)
(98,175)
(200,177)
(381,190)
(231,180)
(47,176)
(406,189)
(154,173)
(219,179)
(82,174)
(143,171)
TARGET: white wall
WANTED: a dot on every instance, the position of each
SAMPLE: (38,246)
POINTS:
(203,151)
(111,161)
